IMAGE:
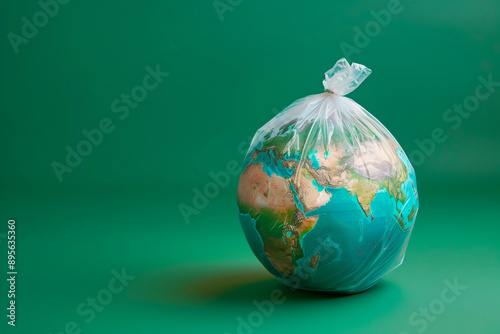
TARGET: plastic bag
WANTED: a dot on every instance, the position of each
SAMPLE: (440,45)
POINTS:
(327,198)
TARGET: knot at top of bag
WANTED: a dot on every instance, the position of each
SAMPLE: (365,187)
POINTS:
(343,78)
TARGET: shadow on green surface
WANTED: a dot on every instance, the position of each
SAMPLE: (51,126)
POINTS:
(198,287)
(263,290)
(195,285)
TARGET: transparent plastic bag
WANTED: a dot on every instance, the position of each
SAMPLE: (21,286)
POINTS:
(327,198)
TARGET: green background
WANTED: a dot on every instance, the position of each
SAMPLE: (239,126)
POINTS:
(119,208)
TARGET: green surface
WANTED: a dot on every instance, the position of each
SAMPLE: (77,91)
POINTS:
(119,206)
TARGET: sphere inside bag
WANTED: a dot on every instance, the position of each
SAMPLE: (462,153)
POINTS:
(327,198)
